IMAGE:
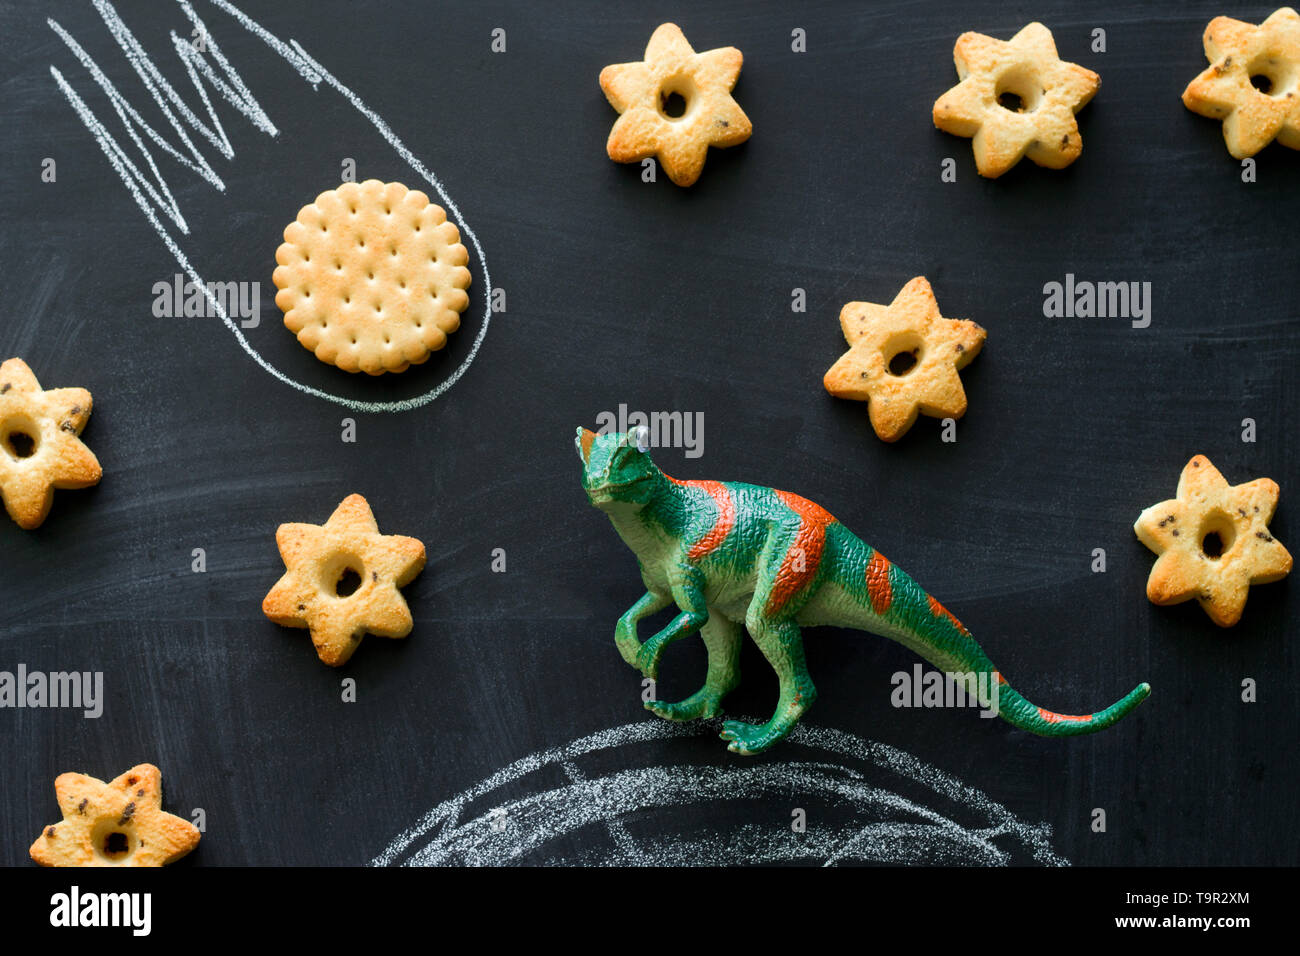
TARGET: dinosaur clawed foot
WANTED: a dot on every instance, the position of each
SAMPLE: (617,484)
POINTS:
(698,705)
(749,739)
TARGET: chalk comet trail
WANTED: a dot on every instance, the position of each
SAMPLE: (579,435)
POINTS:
(151,192)
(522,827)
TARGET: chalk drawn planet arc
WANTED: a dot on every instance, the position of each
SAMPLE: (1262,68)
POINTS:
(481,826)
(143,191)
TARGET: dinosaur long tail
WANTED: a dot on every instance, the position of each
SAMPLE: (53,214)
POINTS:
(902,610)
(1019,712)
(959,653)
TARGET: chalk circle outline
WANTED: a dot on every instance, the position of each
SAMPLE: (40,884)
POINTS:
(441,837)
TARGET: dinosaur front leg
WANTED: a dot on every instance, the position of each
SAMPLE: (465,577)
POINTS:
(722,638)
(625,632)
(690,598)
(782,645)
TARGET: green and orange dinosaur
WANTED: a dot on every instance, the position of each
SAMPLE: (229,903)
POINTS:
(727,553)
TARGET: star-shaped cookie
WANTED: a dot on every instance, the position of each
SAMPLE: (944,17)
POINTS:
(39,447)
(903,359)
(1213,542)
(644,92)
(1252,83)
(342,580)
(1016,98)
(121,823)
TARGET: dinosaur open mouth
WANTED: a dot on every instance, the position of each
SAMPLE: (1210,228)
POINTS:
(609,487)
(612,493)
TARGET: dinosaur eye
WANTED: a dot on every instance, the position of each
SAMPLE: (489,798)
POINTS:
(641,438)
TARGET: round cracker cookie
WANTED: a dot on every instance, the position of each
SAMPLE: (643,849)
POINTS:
(372,277)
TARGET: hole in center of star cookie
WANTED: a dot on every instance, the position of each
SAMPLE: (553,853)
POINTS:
(676,96)
(672,105)
(1212,545)
(1011,101)
(902,353)
(116,845)
(348,582)
(111,841)
(1018,92)
(20,444)
(902,363)
(20,437)
(1217,536)
(1272,76)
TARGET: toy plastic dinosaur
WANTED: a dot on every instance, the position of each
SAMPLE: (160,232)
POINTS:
(726,552)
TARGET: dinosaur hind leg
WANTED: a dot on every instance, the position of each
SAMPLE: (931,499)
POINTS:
(782,645)
(722,639)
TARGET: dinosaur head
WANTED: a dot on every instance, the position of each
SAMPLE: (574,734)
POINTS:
(616,466)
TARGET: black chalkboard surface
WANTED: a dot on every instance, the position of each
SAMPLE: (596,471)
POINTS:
(619,293)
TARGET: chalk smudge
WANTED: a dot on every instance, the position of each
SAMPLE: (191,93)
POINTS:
(149,193)
(481,828)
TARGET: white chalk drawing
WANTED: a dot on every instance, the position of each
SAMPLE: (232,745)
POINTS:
(152,194)
(889,807)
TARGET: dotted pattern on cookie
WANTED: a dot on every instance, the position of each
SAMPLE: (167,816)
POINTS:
(372,277)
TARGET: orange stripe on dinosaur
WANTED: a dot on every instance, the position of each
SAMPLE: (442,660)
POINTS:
(879,590)
(801,561)
(1053,718)
(938,610)
(811,512)
(726,505)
